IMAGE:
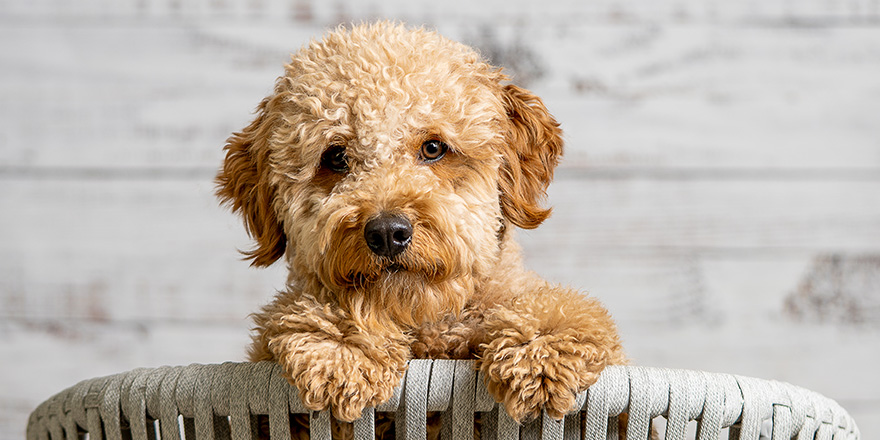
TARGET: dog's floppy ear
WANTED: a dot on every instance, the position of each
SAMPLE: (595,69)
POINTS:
(243,183)
(534,144)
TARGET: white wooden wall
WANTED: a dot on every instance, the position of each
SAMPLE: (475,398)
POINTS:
(720,193)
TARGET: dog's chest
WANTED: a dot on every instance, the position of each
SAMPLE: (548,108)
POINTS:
(455,337)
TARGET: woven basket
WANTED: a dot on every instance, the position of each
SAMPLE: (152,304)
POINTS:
(222,401)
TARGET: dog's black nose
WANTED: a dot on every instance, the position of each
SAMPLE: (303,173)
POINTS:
(388,234)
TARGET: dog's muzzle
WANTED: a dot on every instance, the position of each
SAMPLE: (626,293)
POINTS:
(387,234)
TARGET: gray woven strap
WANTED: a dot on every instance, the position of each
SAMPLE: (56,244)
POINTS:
(225,401)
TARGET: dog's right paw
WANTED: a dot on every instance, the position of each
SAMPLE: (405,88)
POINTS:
(343,379)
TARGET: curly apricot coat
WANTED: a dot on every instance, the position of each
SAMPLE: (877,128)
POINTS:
(384,122)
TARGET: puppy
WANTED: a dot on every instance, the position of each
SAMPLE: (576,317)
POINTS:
(390,168)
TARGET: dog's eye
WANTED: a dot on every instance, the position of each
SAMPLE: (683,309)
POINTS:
(334,159)
(433,150)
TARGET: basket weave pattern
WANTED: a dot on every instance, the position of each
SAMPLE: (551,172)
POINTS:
(221,401)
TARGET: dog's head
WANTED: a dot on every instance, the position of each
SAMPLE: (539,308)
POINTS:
(387,162)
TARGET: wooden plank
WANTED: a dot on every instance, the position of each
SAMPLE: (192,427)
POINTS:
(125,250)
(594,217)
(564,11)
(131,96)
(681,95)
(141,249)
(693,96)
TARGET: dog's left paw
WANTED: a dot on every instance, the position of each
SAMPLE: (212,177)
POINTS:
(544,373)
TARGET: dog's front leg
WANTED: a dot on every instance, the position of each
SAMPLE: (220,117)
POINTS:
(545,346)
(336,362)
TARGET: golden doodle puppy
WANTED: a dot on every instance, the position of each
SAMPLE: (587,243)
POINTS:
(389,169)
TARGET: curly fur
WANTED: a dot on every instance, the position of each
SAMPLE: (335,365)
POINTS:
(349,319)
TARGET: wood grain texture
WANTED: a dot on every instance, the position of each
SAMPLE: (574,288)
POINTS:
(720,190)
(152,249)
(631,94)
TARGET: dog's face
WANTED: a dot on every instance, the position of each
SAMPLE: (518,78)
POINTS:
(386,167)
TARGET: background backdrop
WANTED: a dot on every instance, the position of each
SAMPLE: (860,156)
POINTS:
(720,191)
